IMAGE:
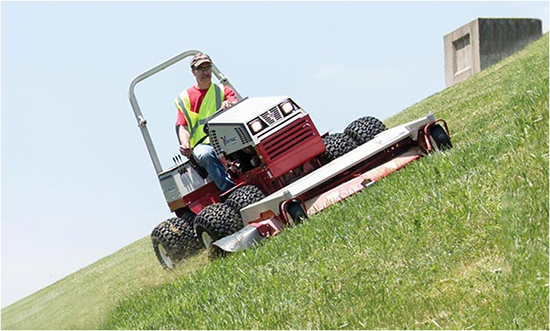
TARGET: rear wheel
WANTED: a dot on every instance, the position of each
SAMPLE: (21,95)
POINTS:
(244,196)
(217,221)
(174,240)
(440,137)
(338,144)
(364,129)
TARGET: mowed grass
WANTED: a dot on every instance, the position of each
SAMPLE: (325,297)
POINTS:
(454,241)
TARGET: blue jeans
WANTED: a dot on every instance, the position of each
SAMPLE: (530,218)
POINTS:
(206,157)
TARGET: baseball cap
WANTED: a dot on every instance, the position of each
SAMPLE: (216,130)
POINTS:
(200,59)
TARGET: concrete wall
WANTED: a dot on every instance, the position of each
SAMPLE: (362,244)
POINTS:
(483,42)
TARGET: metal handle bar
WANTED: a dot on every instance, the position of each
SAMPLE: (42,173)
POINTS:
(142,122)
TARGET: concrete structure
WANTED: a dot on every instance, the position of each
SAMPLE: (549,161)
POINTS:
(485,41)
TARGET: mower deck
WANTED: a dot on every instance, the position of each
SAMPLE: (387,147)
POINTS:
(317,179)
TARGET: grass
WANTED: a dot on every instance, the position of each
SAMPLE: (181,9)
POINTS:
(83,299)
(454,241)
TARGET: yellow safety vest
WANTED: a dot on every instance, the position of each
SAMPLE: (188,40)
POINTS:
(195,122)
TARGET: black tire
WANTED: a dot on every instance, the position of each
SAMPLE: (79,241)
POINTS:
(244,196)
(440,137)
(174,240)
(192,243)
(217,221)
(338,144)
(296,212)
(364,129)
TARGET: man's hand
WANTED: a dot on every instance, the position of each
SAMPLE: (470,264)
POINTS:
(183,136)
(227,104)
(185,149)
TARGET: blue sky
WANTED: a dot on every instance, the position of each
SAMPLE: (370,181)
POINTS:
(77,183)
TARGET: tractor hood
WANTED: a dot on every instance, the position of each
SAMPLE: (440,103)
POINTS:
(250,121)
(246,110)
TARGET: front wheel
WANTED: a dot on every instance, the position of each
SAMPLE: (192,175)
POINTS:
(338,144)
(244,196)
(364,129)
(217,221)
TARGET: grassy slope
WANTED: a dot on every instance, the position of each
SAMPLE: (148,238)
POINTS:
(456,241)
(83,299)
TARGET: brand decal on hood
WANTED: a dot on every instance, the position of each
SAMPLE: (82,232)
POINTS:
(229,140)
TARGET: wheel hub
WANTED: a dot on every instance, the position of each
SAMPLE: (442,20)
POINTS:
(165,257)
(206,239)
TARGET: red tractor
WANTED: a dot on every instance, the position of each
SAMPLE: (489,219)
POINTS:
(284,169)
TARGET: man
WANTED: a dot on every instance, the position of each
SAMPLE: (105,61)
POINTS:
(195,105)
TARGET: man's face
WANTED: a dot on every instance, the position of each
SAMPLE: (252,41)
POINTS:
(203,73)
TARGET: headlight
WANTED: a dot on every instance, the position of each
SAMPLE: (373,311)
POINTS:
(287,107)
(256,126)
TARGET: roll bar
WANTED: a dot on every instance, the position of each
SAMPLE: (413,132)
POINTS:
(142,122)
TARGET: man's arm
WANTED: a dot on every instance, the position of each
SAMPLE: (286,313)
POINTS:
(230,97)
(184,137)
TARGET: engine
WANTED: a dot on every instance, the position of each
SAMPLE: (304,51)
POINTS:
(273,133)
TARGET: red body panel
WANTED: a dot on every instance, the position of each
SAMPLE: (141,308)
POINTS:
(268,227)
(291,147)
(204,196)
